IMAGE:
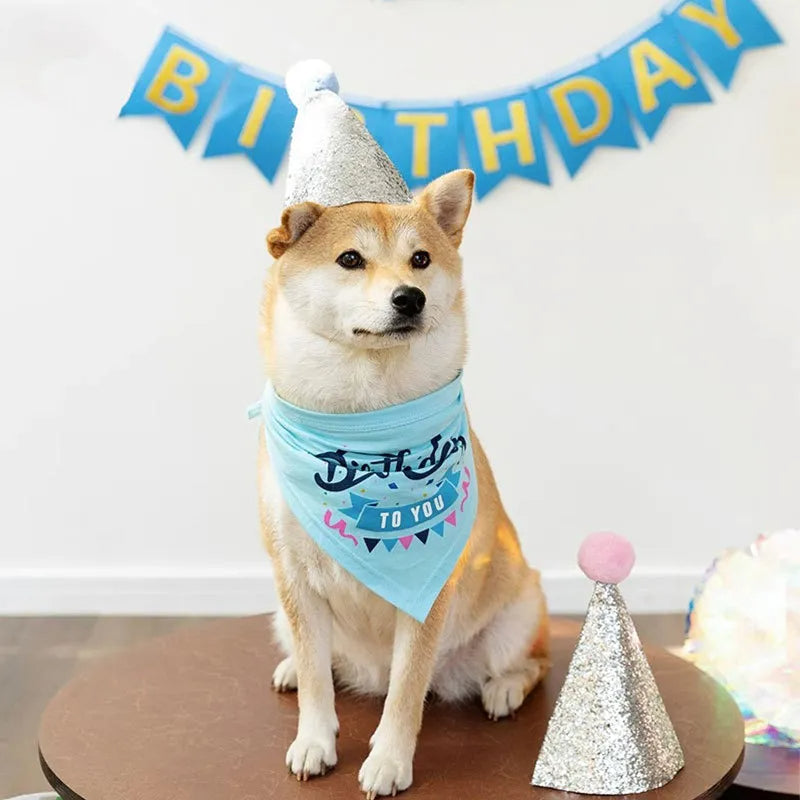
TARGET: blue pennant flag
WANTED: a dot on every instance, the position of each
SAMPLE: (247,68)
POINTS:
(502,137)
(179,83)
(372,114)
(422,140)
(582,110)
(254,118)
(653,72)
(719,31)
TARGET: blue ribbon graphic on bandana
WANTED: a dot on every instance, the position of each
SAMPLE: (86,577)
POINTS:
(370,516)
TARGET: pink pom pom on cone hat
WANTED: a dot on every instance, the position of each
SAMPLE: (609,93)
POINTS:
(609,732)
(606,557)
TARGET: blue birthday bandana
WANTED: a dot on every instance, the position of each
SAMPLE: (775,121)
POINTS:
(390,494)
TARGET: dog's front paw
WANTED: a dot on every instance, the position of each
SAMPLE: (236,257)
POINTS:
(284,679)
(311,754)
(384,772)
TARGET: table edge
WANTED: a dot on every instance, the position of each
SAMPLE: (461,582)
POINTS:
(724,783)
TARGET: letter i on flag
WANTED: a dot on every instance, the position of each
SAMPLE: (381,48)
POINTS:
(583,110)
(255,118)
(719,31)
(179,83)
(653,72)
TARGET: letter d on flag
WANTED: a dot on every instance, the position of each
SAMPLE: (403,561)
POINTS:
(179,83)
(583,110)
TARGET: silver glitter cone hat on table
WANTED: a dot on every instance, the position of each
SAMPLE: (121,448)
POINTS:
(609,732)
(333,159)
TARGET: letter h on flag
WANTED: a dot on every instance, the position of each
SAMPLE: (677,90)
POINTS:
(502,137)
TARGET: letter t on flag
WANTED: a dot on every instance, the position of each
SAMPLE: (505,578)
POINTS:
(179,83)
(422,140)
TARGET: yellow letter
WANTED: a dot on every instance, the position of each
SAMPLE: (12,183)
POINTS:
(598,94)
(717,20)
(668,69)
(256,116)
(421,141)
(168,75)
(488,139)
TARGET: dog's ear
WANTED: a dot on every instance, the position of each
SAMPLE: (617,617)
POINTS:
(448,199)
(295,221)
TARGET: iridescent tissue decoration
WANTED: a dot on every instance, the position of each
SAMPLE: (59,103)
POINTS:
(609,732)
(743,628)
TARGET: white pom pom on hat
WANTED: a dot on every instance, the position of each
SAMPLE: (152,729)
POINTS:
(306,78)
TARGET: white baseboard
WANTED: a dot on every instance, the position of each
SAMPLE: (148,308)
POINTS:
(250,590)
(201,591)
(646,591)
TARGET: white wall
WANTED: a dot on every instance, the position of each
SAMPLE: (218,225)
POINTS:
(639,323)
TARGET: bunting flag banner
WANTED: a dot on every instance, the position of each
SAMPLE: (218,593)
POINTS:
(502,137)
(254,118)
(582,111)
(653,72)
(179,82)
(719,31)
(597,102)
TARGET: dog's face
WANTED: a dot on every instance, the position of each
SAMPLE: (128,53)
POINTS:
(373,275)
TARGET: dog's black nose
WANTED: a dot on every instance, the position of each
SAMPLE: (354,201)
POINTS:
(408,300)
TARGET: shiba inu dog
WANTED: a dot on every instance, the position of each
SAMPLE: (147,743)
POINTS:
(363,309)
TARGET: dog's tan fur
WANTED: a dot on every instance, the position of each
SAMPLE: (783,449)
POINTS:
(487,631)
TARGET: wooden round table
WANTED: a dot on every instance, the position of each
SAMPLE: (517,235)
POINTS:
(191,716)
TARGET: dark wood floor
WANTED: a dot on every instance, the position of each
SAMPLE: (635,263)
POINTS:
(37,656)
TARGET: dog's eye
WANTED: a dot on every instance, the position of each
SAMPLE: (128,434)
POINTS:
(350,259)
(421,259)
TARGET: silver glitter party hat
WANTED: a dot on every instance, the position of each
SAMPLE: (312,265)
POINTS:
(609,732)
(333,159)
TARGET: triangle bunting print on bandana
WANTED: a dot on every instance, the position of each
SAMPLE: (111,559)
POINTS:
(391,494)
